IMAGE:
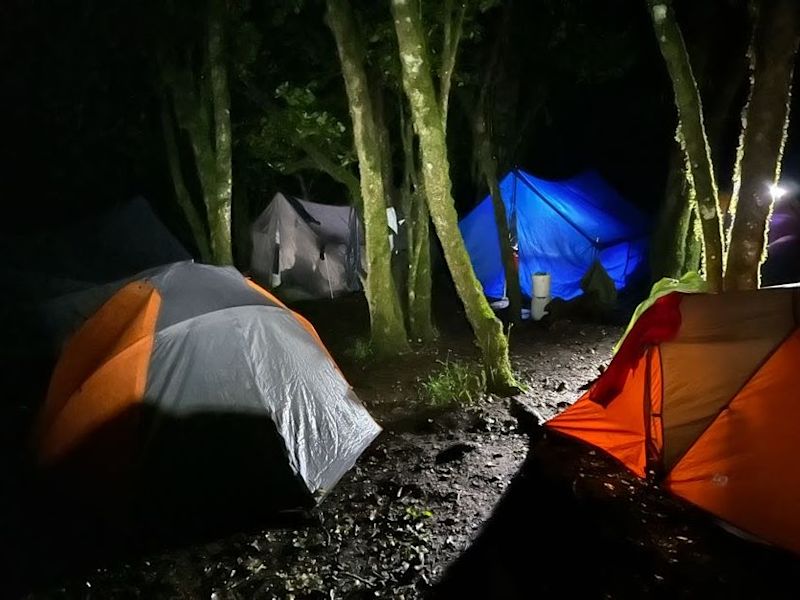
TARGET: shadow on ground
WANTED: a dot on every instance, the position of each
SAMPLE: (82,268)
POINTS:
(575,524)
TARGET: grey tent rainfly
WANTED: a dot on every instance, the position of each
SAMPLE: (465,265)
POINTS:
(193,385)
(306,250)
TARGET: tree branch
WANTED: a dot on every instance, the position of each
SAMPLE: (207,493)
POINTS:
(453,29)
(318,160)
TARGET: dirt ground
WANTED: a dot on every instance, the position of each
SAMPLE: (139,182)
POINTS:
(476,503)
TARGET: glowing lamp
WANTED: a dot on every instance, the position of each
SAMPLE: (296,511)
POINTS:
(776,191)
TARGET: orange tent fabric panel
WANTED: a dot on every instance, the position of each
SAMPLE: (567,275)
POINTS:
(722,342)
(618,428)
(743,467)
(102,373)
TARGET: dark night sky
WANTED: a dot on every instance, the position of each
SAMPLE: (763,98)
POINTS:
(81,121)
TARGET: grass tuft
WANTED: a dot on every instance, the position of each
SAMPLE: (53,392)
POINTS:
(454,384)
(360,351)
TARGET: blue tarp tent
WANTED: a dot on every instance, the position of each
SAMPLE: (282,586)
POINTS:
(561,228)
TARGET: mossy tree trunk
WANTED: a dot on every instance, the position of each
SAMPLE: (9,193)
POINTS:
(671,234)
(428,122)
(386,318)
(219,203)
(488,168)
(202,110)
(693,244)
(719,65)
(485,157)
(692,135)
(419,280)
(766,119)
(453,26)
(399,260)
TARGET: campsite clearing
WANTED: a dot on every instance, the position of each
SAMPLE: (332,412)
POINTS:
(433,483)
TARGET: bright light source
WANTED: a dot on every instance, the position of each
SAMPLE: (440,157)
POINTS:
(777,191)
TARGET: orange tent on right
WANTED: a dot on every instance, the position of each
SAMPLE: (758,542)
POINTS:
(704,394)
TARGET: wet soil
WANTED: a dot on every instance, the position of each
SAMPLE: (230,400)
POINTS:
(463,503)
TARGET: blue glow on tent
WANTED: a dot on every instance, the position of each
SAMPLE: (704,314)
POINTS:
(561,227)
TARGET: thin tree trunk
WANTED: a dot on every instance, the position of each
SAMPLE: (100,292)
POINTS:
(669,241)
(488,168)
(428,123)
(181,192)
(240,228)
(693,136)
(720,74)
(420,319)
(419,281)
(219,202)
(387,326)
(399,261)
(203,112)
(453,27)
(693,244)
(384,144)
(766,118)
(485,148)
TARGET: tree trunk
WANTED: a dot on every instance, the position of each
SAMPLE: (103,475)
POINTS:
(453,28)
(399,261)
(419,281)
(386,317)
(720,74)
(692,135)
(420,320)
(669,240)
(203,112)
(766,119)
(181,192)
(693,242)
(428,123)
(219,202)
(488,168)
(240,228)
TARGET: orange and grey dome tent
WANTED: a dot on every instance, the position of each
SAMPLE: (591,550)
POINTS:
(192,381)
(704,396)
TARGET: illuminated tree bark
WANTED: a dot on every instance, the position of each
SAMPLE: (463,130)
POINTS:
(386,318)
(692,136)
(427,117)
(766,119)
(419,281)
(202,110)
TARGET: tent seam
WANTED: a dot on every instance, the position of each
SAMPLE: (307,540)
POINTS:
(554,209)
(738,391)
(211,312)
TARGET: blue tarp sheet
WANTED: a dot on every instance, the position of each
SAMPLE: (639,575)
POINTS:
(561,228)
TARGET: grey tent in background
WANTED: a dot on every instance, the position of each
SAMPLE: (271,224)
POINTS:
(306,250)
(54,279)
(120,242)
